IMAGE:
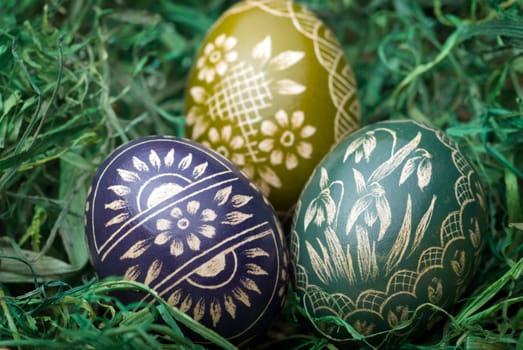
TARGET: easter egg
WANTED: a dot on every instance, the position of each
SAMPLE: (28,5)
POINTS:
(185,221)
(271,90)
(390,222)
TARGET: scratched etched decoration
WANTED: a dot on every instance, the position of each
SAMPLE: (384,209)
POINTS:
(185,221)
(393,218)
(272,91)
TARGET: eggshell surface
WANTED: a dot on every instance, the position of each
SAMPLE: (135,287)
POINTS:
(393,218)
(272,91)
(182,219)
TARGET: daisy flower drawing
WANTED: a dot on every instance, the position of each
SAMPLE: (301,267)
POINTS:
(216,57)
(285,142)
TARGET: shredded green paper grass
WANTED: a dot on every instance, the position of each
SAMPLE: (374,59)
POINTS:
(78,78)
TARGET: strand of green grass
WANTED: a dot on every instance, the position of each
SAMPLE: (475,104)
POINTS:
(486,119)
(473,315)
(127,326)
(446,48)
(470,311)
(45,111)
(65,211)
(509,28)
(9,317)
(179,316)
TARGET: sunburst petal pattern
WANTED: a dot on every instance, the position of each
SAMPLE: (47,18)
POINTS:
(186,222)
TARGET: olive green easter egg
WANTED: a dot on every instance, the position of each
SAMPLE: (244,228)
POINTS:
(391,220)
(271,90)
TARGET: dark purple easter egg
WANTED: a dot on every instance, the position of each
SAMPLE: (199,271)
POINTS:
(185,221)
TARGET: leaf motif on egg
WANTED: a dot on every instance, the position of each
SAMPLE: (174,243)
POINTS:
(327,52)
(272,100)
(183,220)
(399,315)
(192,222)
(371,208)
(374,231)
(363,327)
(243,92)
(323,208)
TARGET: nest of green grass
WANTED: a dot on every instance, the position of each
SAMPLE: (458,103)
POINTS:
(79,78)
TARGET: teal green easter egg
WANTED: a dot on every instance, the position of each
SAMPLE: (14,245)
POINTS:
(271,90)
(391,220)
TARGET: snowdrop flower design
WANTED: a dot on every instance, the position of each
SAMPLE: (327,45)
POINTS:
(372,205)
(421,163)
(285,142)
(323,208)
(362,147)
(216,57)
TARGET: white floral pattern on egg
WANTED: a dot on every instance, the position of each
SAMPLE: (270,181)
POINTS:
(271,90)
(185,221)
(393,218)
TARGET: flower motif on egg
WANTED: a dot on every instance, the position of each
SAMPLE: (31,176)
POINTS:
(285,139)
(322,209)
(380,226)
(372,205)
(231,147)
(217,55)
(180,219)
(191,221)
(293,64)
(238,99)
(362,147)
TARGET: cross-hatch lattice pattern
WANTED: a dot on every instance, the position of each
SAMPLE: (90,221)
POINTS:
(343,304)
(431,257)
(461,163)
(240,95)
(403,281)
(451,228)
(371,301)
(463,190)
(341,82)
(319,299)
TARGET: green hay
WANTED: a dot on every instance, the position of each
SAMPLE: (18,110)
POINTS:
(78,78)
